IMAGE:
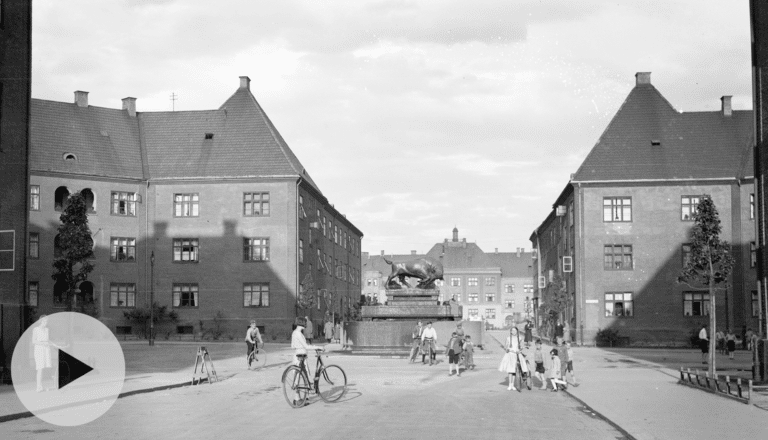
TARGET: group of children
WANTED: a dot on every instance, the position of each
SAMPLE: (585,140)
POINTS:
(460,350)
(561,365)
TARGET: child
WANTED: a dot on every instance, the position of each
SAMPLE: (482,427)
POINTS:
(730,341)
(538,357)
(469,350)
(554,373)
(454,351)
(569,365)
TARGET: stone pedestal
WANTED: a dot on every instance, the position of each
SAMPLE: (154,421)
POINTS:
(412,304)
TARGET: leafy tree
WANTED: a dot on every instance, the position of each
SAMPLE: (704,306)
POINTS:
(305,300)
(710,262)
(71,265)
(555,303)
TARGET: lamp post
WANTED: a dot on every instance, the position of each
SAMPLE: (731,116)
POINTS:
(152,299)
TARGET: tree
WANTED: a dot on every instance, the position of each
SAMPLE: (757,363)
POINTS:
(709,264)
(555,303)
(75,245)
(305,300)
(140,316)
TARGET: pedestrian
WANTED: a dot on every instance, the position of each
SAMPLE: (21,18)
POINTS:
(416,341)
(308,330)
(338,331)
(538,358)
(562,353)
(328,330)
(453,350)
(252,340)
(744,337)
(428,339)
(558,333)
(566,332)
(554,373)
(750,333)
(300,346)
(720,341)
(469,352)
(703,343)
(730,341)
(512,357)
(528,333)
(42,349)
(569,365)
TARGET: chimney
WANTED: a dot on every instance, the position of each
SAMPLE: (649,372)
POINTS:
(496,250)
(245,83)
(81,98)
(642,78)
(518,252)
(455,234)
(726,105)
(413,252)
(382,252)
(130,105)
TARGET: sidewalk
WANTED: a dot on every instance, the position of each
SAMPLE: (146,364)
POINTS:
(169,364)
(644,398)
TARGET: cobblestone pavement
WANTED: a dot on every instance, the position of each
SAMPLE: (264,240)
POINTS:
(387,398)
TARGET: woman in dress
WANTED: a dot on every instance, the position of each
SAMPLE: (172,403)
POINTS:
(41,342)
(528,333)
(512,357)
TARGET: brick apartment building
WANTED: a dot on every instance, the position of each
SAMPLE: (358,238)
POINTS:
(210,209)
(621,225)
(490,286)
(15,86)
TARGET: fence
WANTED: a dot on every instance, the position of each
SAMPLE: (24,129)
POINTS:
(724,387)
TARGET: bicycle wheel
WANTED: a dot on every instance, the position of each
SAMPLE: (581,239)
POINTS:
(259,358)
(295,386)
(333,383)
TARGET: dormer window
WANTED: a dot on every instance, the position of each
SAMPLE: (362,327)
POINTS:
(208,136)
(69,157)
(655,142)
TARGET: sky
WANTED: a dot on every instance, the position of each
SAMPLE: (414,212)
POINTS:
(411,116)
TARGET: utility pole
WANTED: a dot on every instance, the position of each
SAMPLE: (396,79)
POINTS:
(174,97)
(152,299)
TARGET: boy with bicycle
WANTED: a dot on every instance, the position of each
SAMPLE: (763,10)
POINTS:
(253,339)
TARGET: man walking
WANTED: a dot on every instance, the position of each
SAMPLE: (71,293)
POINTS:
(703,344)
(416,336)
(429,336)
(308,330)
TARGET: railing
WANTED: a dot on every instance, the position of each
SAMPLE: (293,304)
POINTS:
(724,387)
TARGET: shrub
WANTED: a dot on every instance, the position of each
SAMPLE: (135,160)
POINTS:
(607,337)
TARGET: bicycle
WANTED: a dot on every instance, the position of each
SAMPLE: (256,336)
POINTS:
(428,349)
(296,386)
(257,357)
(519,375)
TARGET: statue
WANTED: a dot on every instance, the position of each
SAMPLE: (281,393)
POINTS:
(427,270)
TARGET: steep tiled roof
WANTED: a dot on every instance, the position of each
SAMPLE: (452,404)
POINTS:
(513,265)
(105,141)
(461,255)
(691,145)
(109,142)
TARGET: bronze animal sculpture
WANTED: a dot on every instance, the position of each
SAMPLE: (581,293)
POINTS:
(427,270)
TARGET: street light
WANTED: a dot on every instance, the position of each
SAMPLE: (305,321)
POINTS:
(152,299)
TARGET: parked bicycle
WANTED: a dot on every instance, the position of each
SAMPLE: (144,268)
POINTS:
(257,358)
(521,377)
(330,382)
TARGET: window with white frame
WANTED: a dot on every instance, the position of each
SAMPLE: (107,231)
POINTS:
(490,313)
(472,297)
(695,304)
(472,281)
(490,297)
(33,292)
(617,257)
(472,313)
(256,295)
(34,197)
(34,245)
(619,304)
(755,304)
(255,249)
(301,251)
(186,250)
(186,205)
(490,281)
(455,282)
(122,295)
(123,203)
(688,207)
(617,209)
(185,295)
(123,249)
(509,288)
(256,204)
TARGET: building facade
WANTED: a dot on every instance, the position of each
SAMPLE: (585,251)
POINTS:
(208,212)
(491,287)
(617,236)
(15,86)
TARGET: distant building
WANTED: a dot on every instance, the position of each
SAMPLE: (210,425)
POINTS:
(494,287)
(618,234)
(15,86)
(234,221)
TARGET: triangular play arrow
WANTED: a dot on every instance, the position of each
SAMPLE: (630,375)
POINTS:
(70,369)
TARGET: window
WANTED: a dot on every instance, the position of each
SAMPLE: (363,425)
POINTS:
(330,230)
(185,250)
(527,288)
(570,213)
(490,297)
(34,245)
(688,207)
(755,304)
(90,200)
(301,251)
(209,136)
(472,297)
(256,249)
(455,282)
(375,282)
(61,198)
(752,254)
(255,204)
(123,203)
(472,281)
(302,212)
(369,281)
(335,234)
(617,257)
(751,206)
(256,295)
(695,304)
(509,288)
(32,293)
(186,205)
(122,295)
(34,197)
(617,209)
(686,253)
(491,281)
(472,313)
(490,313)
(510,303)
(185,295)
(319,261)
(619,304)
(324,222)
(123,249)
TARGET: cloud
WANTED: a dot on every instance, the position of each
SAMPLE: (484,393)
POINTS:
(481,166)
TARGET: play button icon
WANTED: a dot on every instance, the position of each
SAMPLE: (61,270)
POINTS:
(68,368)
